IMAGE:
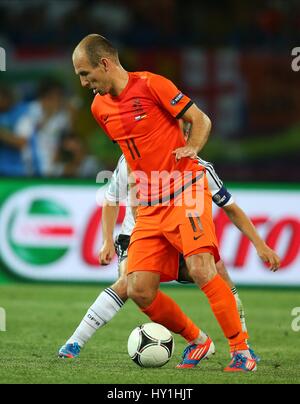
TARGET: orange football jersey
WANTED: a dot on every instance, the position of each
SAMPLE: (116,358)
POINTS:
(143,120)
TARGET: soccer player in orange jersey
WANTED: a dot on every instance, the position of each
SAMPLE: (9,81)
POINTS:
(140,111)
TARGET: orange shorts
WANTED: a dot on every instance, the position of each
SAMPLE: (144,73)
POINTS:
(162,232)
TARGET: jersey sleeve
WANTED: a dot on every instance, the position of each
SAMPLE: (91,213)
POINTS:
(118,187)
(220,194)
(168,96)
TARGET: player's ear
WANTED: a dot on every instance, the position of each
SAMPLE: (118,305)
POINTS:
(104,63)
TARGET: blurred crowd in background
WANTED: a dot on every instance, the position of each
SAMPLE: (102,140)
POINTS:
(233,59)
(153,23)
(38,137)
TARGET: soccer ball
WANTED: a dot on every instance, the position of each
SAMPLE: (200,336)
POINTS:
(151,345)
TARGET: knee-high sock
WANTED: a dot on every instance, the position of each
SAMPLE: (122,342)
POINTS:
(165,311)
(100,313)
(224,307)
(241,310)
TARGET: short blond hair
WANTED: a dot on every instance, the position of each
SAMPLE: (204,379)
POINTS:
(97,46)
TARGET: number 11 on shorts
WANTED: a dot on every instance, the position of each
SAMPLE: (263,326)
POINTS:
(196,225)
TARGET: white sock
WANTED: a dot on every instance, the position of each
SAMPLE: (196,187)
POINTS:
(202,338)
(242,319)
(100,313)
(240,309)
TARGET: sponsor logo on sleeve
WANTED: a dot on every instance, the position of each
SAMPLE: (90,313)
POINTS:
(176,99)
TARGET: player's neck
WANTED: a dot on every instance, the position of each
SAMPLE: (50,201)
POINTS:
(120,82)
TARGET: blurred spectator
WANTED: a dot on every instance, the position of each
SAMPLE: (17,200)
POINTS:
(72,159)
(48,117)
(14,136)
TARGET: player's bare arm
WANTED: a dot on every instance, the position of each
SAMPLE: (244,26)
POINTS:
(244,224)
(200,127)
(110,213)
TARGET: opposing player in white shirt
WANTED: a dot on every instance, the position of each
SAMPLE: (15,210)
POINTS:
(111,300)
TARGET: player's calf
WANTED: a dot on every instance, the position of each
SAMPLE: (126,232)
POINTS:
(120,288)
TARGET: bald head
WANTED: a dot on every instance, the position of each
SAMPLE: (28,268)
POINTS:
(95,47)
(96,62)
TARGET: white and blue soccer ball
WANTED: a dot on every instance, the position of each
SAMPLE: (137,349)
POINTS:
(151,345)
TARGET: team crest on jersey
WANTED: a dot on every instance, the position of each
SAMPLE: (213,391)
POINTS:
(138,110)
(176,99)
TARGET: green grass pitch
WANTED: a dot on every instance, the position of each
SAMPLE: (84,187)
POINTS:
(41,317)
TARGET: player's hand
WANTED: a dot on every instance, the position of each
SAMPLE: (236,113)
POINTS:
(186,151)
(269,256)
(107,252)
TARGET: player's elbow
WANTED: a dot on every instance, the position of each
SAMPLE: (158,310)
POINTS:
(207,123)
(201,120)
(198,119)
(233,211)
(229,209)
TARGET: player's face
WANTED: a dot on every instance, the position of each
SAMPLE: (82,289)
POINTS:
(94,78)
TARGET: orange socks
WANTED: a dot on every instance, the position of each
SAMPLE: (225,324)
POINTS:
(165,311)
(224,307)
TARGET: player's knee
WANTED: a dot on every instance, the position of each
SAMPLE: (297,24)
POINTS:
(221,269)
(201,268)
(142,296)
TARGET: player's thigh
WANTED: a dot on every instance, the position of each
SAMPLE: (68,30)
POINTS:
(183,272)
(123,267)
(192,230)
(153,253)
